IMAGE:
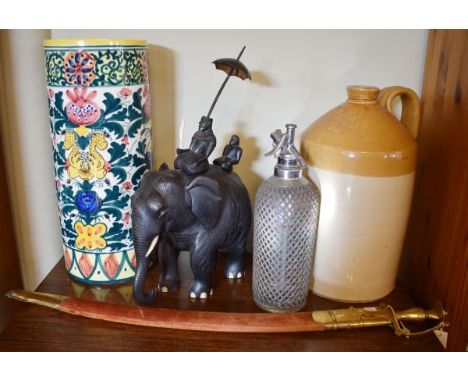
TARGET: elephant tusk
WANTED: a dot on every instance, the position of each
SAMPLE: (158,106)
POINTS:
(153,244)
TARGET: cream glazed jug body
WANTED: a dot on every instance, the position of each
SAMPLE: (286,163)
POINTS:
(363,159)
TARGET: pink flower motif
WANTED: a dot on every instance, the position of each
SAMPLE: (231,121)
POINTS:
(125,92)
(125,139)
(81,110)
(59,184)
(68,259)
(51,93)
(111,265)
(126,218)
(85,265)
(145,90)
(107,166)
(127,185)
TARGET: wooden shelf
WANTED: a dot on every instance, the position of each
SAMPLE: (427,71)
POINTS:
(43,329)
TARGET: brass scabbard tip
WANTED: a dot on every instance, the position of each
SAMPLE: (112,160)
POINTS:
(9,294)
(44,299)
(14,294)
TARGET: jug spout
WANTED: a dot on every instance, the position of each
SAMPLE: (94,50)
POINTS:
(362,93)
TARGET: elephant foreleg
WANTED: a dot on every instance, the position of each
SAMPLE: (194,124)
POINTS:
(169,270)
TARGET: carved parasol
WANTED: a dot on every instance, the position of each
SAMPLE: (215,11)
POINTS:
(232,67)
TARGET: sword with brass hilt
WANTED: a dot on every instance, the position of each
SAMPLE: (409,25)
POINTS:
(321,320)
(382,315)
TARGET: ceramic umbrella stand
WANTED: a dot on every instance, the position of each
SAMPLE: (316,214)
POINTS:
(99,109)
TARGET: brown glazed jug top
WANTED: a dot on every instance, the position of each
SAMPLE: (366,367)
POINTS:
(361,93)
(363,137)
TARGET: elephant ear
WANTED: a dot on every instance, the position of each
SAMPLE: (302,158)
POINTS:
(205,196)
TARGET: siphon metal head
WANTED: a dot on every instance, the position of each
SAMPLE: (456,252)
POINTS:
(290,162)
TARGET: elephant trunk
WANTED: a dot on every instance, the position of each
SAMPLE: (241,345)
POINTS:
(142,236)
(145,298)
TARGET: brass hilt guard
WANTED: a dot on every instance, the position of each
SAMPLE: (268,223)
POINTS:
(383,315)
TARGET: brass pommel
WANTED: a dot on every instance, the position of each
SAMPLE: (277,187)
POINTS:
(383,315)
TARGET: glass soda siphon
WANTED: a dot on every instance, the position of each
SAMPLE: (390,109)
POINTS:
(285,230)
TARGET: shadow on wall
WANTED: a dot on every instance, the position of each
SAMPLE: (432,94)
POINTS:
(14,164)
(9,265)
(162,84)
(250,153)
(251,150)
(260,78)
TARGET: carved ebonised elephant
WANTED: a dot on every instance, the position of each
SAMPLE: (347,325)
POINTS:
(200,214)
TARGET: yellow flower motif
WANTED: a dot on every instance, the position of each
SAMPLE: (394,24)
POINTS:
(85,164)
(90,236)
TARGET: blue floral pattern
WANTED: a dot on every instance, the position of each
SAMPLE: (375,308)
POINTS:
(110,66)
(101,141)
(88,202)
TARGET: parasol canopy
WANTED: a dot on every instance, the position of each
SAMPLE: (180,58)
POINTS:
(232,67)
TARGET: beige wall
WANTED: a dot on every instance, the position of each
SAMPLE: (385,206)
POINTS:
(296,77)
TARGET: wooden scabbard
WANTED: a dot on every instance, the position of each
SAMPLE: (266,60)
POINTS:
(193,320)
(175,319)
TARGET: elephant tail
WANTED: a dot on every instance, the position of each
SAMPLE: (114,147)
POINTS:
(144,298)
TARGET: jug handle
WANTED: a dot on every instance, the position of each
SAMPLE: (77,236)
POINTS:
(411,107)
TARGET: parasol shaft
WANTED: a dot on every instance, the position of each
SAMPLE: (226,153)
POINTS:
(223,85)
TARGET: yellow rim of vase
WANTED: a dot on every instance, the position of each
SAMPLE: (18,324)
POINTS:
(92,42)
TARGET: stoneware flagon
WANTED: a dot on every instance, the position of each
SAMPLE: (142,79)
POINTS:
(99,109)
(363,159)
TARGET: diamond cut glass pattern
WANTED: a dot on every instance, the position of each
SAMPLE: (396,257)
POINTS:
(285,231)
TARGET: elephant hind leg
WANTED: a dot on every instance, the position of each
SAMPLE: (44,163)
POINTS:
(235,265)
(203,260)
(169,270)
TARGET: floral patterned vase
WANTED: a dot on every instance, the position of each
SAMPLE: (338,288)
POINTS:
(99,109)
